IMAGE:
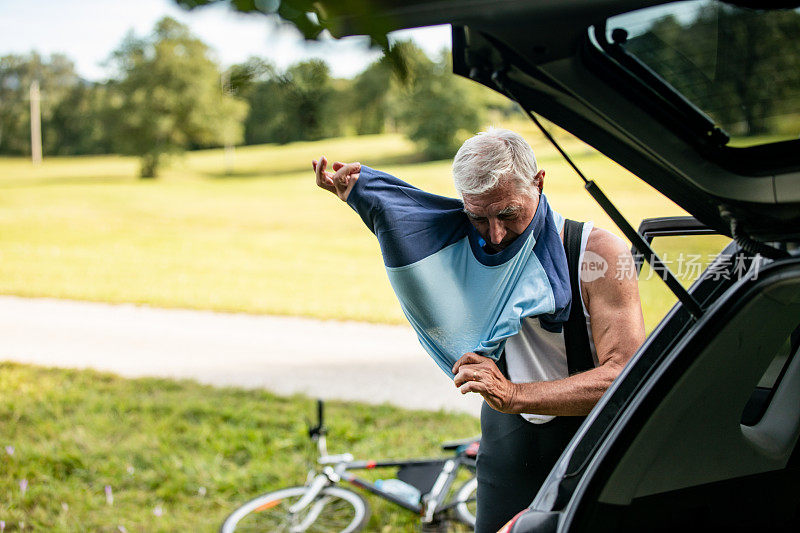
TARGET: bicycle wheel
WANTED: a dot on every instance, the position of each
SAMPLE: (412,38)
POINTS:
(467,502)
(334,509)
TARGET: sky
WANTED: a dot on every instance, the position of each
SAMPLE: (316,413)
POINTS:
(88,30)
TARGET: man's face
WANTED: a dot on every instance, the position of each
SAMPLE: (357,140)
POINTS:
(501,214)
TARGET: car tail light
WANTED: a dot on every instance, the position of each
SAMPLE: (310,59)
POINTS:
(506,528)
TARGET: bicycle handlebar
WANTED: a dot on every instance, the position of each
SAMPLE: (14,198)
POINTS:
(318,430)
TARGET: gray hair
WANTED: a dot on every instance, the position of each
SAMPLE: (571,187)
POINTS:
(491,156)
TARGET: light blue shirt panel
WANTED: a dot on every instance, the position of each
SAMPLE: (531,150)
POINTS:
(558,219)
(458,305)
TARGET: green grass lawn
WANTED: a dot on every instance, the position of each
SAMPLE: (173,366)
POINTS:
(263,240)
(195,452)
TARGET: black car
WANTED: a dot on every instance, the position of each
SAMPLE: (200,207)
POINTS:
(700,99)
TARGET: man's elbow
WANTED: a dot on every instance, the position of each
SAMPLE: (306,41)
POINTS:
(612,367)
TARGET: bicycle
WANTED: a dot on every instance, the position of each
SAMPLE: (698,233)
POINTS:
(322,505)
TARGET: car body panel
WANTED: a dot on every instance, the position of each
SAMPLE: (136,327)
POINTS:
(725,461)
(617,427)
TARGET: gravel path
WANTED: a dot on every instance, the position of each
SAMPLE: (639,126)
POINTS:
(343,360)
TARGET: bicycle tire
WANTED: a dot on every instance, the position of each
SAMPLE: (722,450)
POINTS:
(343,511)
(466,498)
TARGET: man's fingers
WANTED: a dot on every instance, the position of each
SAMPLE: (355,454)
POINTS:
(474,386)
(467,373)
(323,164)
(469,358)
(344,170)
(345,178)
(323,177)
(347,168)
(341,181)
(319,168)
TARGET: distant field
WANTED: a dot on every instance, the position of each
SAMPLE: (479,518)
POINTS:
(262,240)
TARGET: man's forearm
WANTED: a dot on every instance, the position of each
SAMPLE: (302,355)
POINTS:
(572,396)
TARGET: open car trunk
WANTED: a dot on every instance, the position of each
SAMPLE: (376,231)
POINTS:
(701,428)
(574,63)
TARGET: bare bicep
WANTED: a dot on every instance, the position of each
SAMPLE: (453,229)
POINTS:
(613,301)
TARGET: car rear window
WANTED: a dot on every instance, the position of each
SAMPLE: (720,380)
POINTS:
(739,66)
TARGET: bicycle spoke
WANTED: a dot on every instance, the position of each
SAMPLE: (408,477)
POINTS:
(273,517)
(337,515)
(327,513)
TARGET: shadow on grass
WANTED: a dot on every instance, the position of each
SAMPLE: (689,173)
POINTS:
(305,166)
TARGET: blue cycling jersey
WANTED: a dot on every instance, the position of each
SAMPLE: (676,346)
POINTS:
(457,297)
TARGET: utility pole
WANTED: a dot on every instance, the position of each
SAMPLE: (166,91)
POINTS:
(36,125)
(229,149)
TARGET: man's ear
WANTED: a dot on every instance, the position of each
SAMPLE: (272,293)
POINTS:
(540,180)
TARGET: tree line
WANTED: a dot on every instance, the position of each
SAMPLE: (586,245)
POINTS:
(167,95)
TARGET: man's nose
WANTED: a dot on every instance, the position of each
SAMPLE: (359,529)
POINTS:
(496,231)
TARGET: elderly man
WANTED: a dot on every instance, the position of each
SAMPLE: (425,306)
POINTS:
(548,377)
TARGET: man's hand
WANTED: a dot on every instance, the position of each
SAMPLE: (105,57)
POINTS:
(340,183)
(475,373)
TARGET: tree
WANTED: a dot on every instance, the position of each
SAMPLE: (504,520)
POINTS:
(311,18)
(437,109)
(244,77)
(170,97)
(288,106)
(307,91)
(257,82)
(56,77)
(369,100)
(81,121)
(265,119)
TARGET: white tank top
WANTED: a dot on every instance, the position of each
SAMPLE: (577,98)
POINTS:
(535,354)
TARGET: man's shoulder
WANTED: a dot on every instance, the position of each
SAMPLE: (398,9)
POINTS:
(614,275)
(606,244)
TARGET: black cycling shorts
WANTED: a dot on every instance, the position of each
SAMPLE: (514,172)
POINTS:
(514,459)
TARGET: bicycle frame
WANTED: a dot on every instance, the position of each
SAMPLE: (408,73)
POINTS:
(339,467)
(432,502)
